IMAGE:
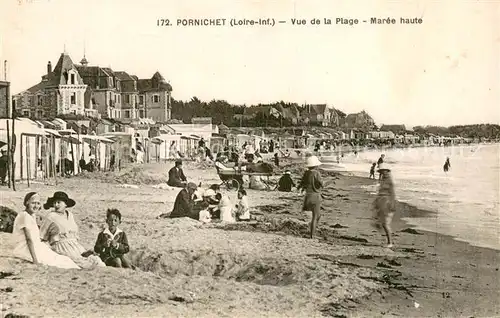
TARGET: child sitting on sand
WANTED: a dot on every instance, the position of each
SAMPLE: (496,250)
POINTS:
(112,243)
(242,208)
(372,170)
(205,216)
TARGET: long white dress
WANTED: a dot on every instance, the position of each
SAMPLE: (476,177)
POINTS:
(43,252)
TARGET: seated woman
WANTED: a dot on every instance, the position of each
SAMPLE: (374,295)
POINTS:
(60,230)
(184,205)
(27,235)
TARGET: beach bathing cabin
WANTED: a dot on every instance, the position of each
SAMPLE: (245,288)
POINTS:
(122,147)
(37,150)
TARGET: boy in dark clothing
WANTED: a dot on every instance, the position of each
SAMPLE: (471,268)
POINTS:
(112,243)
(312,183)
(285,184)
(372,170)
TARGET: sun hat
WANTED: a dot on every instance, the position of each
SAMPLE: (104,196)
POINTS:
(178,162)
(192,186)
(313,161)
(383,167)
(288,172)
(59,196)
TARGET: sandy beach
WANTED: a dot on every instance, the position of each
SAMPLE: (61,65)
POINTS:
(264,268)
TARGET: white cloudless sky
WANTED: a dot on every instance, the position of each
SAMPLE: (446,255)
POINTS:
(444,71)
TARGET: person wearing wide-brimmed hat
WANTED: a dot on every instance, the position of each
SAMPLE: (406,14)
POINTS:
(27,237)
(384,205)
(312,183)
(176,177)
(60,230)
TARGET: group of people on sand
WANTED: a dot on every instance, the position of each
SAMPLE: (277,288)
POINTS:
(204,205)
(55,242)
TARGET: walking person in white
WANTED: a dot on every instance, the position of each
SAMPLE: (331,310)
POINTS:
(27,237)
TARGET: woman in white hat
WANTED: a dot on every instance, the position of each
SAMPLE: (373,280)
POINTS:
(311,182)
(385,204)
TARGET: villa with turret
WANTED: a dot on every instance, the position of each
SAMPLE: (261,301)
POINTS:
(94,91)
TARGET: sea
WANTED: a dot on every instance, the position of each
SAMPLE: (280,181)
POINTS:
(465,199)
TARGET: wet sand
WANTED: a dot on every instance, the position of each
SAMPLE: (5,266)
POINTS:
(265,268)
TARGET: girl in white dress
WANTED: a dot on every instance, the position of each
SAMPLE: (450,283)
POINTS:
(60,230)
(27,237)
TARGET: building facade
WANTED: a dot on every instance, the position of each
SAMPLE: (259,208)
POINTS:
(61,92)
(95,91)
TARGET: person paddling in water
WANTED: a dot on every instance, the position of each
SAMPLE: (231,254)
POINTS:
(447,165)
(311,182)
(384,205)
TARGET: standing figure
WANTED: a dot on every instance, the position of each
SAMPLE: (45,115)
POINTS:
(384,205)
(311,182)
(372,170)
(447,165)
(3,166)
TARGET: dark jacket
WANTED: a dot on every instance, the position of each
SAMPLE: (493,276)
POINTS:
(311,181)
(107,253)
(285,183)
(176,177)
(183,206)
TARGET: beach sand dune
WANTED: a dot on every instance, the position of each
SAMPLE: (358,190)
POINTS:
(264,268)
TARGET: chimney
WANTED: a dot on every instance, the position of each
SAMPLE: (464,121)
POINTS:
(49,68)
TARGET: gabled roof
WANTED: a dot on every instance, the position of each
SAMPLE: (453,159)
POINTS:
(123,76)
(59,76)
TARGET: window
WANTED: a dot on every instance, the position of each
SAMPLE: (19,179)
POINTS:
(156,98)
(73,98)
(127,99)
(127,114)
(26,113)
(40,100)
(141,113)
(72,79)
(141,100)
(39,114)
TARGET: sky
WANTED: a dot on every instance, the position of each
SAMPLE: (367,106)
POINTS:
(445,71)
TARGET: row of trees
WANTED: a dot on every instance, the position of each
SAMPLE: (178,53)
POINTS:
(488,131)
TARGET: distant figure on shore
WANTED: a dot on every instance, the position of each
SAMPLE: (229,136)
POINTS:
(311,182)
(285,183)
(379,162)
(276,160)
(447,165)
(176,177)
(384,205)
(372,170)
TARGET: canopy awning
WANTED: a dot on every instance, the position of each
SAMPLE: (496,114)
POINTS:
(52,132)
(96,138)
